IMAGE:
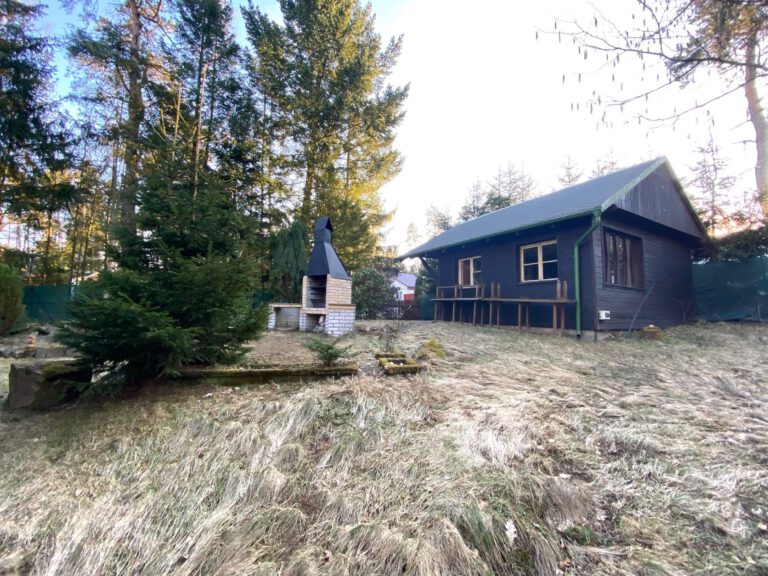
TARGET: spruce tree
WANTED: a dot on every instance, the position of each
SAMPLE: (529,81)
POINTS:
(326,71)
(183,290)
(289,262)
(33,147)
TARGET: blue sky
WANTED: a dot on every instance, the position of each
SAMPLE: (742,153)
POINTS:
(485,91)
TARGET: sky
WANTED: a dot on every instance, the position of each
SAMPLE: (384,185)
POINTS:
(485,91)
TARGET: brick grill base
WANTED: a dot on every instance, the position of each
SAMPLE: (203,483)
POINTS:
(338,315)
(333,320)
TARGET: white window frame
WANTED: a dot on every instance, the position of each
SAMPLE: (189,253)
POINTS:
(539,264)
(472,271)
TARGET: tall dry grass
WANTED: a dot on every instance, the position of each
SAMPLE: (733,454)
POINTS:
(517,454)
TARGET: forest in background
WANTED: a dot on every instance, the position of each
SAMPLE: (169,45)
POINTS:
(170,112)
(175,129)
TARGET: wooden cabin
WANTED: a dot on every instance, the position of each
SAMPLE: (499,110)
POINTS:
(613,253)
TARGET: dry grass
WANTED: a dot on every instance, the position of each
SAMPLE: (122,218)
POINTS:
(516,454)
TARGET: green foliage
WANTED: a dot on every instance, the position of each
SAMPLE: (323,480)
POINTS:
(118,329)
(11,294)
(324,70)
(371,289)
(740,246)
(328,351)
(31,144)
(184,289)
(289,262)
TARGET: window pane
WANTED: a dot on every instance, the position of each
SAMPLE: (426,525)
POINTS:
(549,252)
(550,270)
(530,255)
(623,261)
(531,272)
(476,264)
(610,259)
(464,272)
(637,264)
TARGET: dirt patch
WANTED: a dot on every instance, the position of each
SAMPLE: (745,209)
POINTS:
(280,349)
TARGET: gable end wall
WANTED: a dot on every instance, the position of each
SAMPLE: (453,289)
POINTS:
(668,287)
(658,198)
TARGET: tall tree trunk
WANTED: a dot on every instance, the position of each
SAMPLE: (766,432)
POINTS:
(211,103)
(176,121)
(306,203)
(47,250)
(759,122)
(202,71)
(129,189)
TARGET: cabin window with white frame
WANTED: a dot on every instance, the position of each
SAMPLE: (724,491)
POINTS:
(538,262)
(623,260)
(470,271)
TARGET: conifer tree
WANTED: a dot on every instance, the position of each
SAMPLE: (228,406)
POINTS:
(289,262)
(33,148)
(183,290)
(325,70)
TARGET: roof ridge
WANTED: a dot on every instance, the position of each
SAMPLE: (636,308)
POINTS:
(504,218)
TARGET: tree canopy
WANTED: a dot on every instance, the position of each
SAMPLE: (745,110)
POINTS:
(688,36)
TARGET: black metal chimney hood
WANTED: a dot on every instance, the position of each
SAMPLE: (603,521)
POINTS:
(324,259)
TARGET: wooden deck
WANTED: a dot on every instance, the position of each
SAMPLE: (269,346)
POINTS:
(492,303)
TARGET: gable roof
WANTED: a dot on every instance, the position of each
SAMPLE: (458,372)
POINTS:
(406,279)
(578,200)
(324,259)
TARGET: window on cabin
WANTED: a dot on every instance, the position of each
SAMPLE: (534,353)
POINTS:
(470,271)
(538,262)
(623,260)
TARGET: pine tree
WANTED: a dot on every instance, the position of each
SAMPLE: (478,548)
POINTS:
(289,262)
(325,71)
(33,149)
(183,290)
(570,173)
(712,183)
(475,204)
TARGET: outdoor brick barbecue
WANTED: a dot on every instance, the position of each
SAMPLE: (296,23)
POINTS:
(326,294)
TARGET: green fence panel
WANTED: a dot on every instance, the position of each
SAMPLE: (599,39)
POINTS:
(732,290)
(48,304)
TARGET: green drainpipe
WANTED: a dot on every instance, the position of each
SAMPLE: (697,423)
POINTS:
(595,223)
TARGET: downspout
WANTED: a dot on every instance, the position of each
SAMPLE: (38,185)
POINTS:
(596,215)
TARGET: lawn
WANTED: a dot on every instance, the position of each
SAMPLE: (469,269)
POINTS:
(514,454)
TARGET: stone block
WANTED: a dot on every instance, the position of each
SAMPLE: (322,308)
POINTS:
(41,384)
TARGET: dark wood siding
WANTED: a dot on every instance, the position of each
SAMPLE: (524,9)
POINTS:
(500,263)
(658,198)
(666,297)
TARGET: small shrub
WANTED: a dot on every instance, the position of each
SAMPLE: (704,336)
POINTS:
(11,294)
(371,289)
(327,351)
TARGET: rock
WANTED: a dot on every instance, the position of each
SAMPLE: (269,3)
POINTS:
(52,352)
(41,384)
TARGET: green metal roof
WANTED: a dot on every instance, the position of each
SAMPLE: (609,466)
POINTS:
(578,200)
